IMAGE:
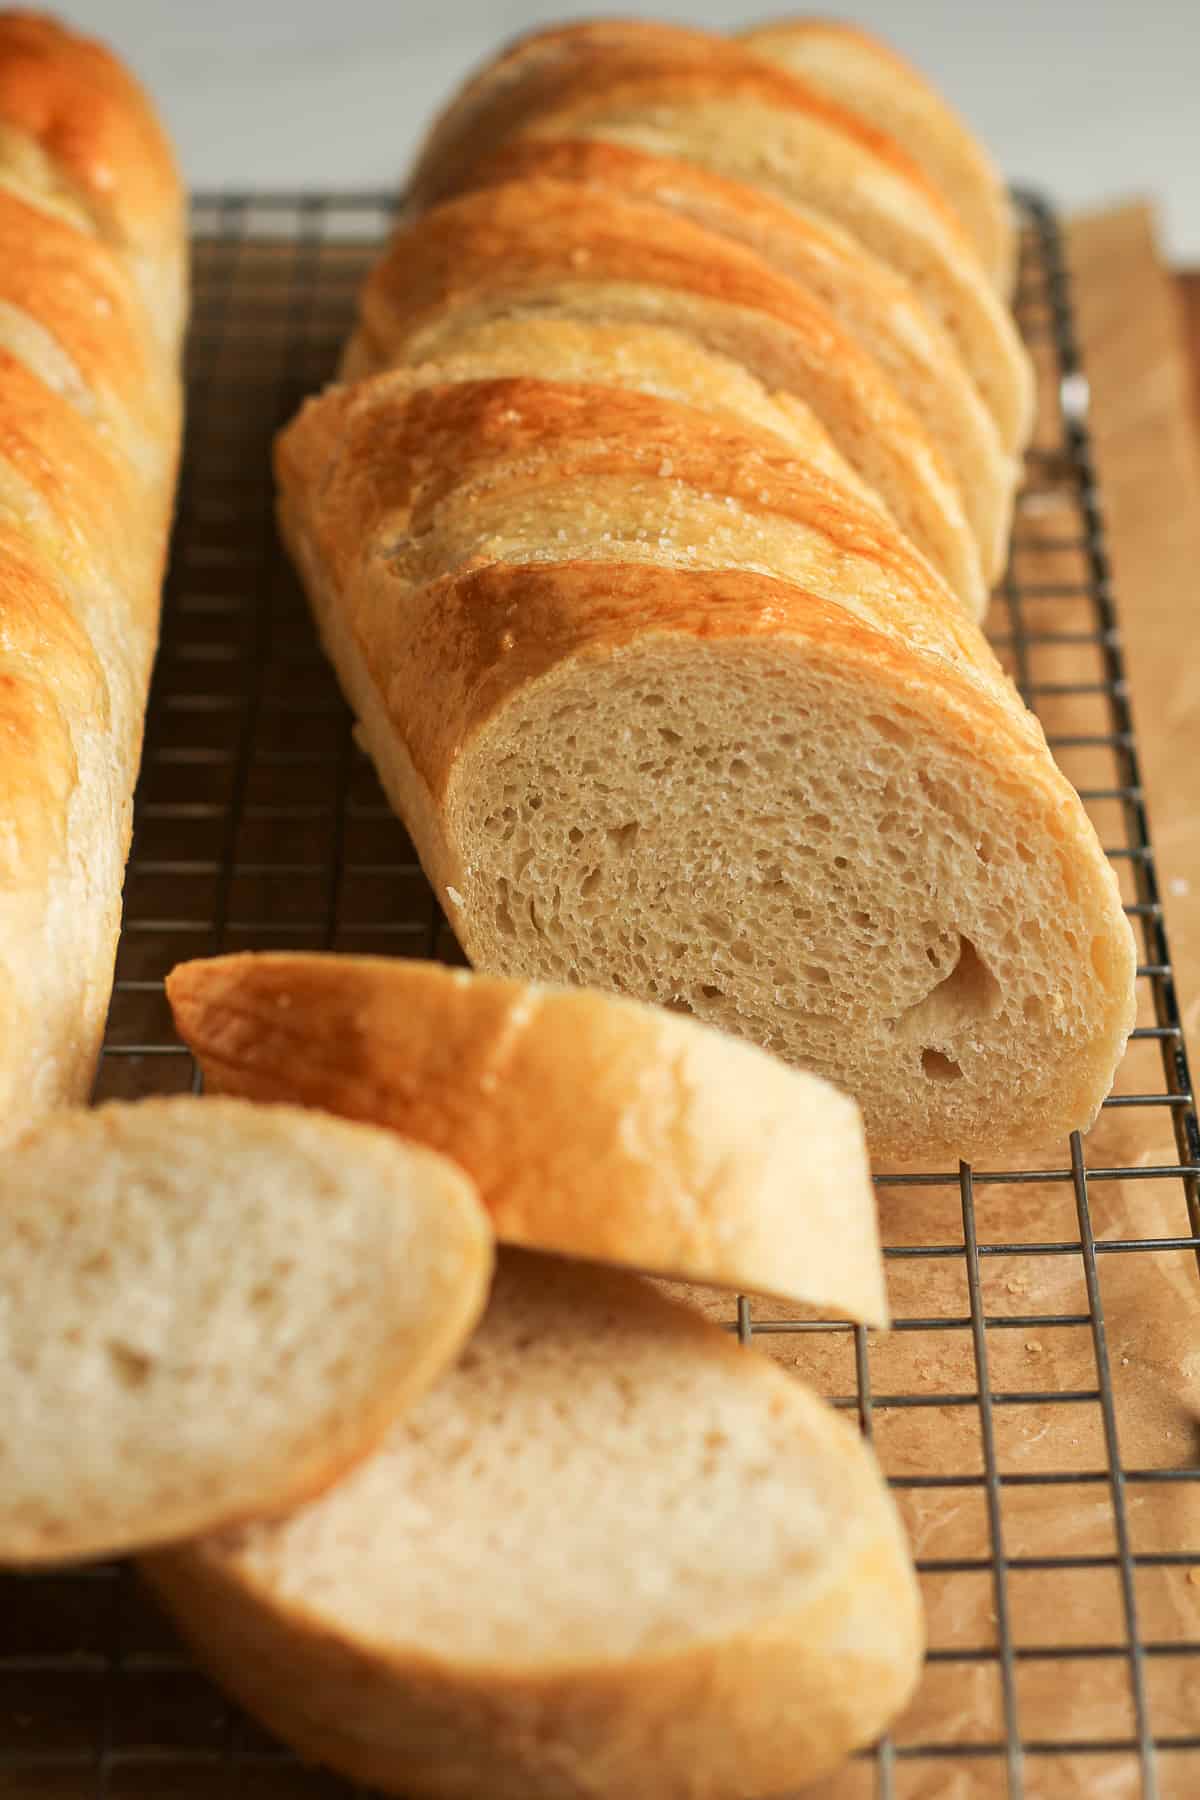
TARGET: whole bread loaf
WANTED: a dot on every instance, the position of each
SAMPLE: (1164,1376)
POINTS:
(92,300)
(611,1554)
(670,713)
(210,1310)
(593,1127)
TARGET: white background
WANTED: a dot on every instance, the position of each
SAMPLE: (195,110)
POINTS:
(1090,99)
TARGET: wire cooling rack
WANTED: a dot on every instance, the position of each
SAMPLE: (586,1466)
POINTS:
(1021,1407)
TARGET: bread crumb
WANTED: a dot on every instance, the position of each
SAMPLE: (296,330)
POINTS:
(1034,1348)
(453,895)
(1180,885)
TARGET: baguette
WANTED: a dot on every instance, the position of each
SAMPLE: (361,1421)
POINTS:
(687,94)
(92,300)
(868,78)
(610,1554)
(669,714)
(209,1310)
(868,298)
(530,248)
(592,1127)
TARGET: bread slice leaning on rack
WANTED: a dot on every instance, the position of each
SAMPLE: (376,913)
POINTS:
(869,299)
(612,1553)
(668,713)
(210,1310)
(868,78)
(687,94)
(92,286)
(592,1127)
(532,249)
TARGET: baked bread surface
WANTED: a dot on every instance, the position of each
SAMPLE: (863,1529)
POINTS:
(210,1310)
(611,1553)
(92,301)
(592,1126)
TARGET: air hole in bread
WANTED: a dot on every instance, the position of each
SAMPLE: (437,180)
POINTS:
(712,993)
(939,1067)
(889,729)
(130,1366)
(590,883)
(969,993)
(504,918)
(623,837)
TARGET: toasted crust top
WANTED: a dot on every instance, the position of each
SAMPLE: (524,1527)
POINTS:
(87,113)
(615,61)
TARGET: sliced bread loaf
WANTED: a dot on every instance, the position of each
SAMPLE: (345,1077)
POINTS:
(667,714)
(532,248)
(592,1126)
(209,1310)
(610,1554)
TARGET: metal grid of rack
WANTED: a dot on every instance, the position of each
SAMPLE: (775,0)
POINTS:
(1055,1549)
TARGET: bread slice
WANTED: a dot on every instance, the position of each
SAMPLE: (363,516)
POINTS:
(687,94)
(867,297)
(611,1554)
(531,248)
(209,1310)
(668,715)
(868,78)
(592,1126)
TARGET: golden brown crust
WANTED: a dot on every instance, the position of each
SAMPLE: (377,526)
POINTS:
(38,765)
(92,264)
(376,465)
(681,98)
(531,244)
(84,110)
(77,291)
(867,75)
(617,59)
(683,1159)
(867,297)
(383,455)
(538,227)
(89,496)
